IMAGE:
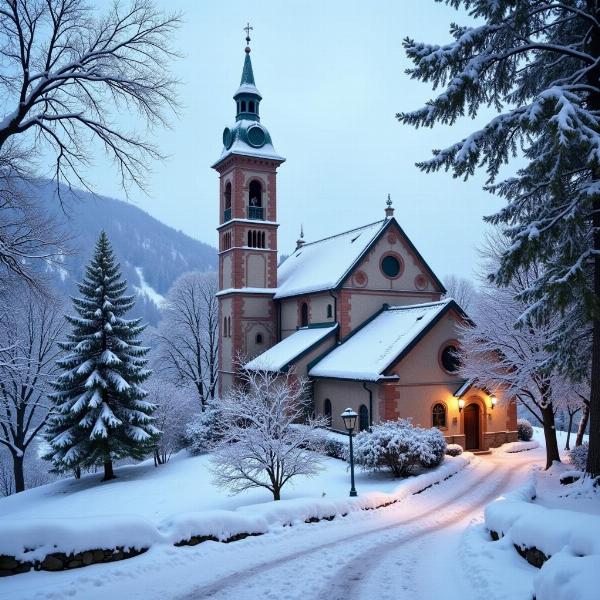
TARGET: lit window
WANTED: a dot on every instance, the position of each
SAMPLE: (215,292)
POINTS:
(438,415)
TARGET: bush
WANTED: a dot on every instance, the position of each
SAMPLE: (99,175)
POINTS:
(335,448)
(578,457)
(434,447)
(203,434)
(524,430)
(454,449)
(399,447)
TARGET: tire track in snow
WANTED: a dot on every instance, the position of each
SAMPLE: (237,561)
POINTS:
(230,582)
(349,581)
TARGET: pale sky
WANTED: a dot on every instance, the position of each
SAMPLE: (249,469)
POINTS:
(331,74)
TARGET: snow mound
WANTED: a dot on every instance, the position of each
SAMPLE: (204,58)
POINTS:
(34,539)
(513,447)
(569,538)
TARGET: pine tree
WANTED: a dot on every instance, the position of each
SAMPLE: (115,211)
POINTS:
(537,63)
(101,413)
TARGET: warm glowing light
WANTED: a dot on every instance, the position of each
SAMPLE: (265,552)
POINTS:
(461,404)
(493,400)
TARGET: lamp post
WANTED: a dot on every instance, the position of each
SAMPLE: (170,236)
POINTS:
(349,417)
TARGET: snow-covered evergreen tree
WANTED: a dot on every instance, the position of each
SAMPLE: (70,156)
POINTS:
(101,413)
(537,63)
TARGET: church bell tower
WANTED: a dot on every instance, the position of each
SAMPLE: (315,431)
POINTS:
(247,230)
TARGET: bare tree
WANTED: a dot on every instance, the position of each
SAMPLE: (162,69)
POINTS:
(260,447)
(461,289)
(67,77)
(28,352)
(175,410)
(188,335)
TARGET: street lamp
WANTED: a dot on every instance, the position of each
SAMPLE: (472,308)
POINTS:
(461,404)
(349,417)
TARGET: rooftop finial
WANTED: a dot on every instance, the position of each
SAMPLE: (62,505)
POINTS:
(300,241)
(389,211)
(248,29)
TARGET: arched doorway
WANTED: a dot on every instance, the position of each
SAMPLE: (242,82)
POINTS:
(471,426)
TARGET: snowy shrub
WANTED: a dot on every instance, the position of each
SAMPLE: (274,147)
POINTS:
(203,433)
(331,444)
(454,449)
(524,430)
(434,447)
(399,447)
(335,448)
(578,457)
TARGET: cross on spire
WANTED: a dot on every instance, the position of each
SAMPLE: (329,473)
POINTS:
(248,29)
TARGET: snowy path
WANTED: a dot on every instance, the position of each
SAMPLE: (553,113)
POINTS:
(409,550)
(412,553)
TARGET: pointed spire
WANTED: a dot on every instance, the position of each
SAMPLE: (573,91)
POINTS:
(300,241)
(247,90)
(389,211)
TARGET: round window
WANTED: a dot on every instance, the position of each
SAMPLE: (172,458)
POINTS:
(450,359)
(390,266)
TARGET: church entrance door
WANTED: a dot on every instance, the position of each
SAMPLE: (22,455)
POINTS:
(471,422)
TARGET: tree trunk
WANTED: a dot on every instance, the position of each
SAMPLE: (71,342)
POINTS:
(568,444)
(552,453)
(77,472)
(593,457)
(585,415)
(276,493)
(18,473)
(108,471)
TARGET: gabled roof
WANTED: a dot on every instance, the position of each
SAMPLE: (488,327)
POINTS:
(325,264)
(381,341)
(290,349)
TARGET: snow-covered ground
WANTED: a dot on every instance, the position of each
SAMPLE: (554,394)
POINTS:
(432,544)
(184,484)
(412,549)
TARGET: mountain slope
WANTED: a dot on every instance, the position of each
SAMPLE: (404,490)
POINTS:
(152,255)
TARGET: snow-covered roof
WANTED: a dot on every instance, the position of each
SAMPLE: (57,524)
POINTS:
(322,265)
(371,349)
(247,290)
(290,348)
(464,388)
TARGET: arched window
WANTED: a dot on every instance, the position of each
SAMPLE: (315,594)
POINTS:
(255,193)
(251,106)
(228,195)
(262,240)
(224,326)
(363,418)
(259,338)
(228,326)
(243,106)
(327,410)
(304,315)
(438,415)
(249,239)
(329,311)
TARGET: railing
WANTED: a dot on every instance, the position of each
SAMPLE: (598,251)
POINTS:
(227,215)
(255,213)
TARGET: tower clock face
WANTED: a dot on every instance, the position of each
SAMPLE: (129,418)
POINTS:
(256,136)
(227,138)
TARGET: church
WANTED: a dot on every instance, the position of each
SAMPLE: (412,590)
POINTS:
(360,313)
